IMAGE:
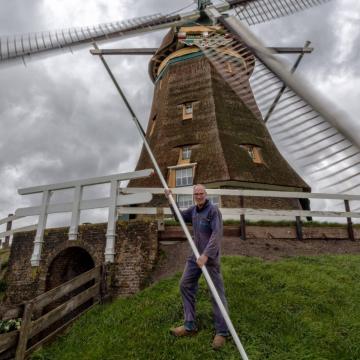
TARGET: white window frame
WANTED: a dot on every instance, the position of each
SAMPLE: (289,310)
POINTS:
(215,199)
(188,108)
(186,153)
(184,201)
(183,175)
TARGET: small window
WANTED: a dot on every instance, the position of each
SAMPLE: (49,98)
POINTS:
(187,111)
(186,153)
(184,176)
(184,201)
(251,152)
(153,121)
(229,68)
(254,152)
(215,199)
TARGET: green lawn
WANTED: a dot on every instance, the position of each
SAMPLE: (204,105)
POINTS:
(304,308)
(4,258)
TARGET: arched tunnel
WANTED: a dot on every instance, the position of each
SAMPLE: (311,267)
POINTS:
(68,264)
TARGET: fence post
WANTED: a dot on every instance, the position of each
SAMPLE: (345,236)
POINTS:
(242,221)
(160,219)
(24,331)
(299,233)
(39,237)
(75,215)
(349,221)
(8,228)
(111,228)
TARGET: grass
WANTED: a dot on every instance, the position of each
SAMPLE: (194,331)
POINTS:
(4,259)
(304,308)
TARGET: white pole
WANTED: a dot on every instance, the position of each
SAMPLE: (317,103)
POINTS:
(178,214)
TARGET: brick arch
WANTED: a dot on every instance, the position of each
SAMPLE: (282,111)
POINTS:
(67,264)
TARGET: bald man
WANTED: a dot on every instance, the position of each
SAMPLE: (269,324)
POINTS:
(206,220)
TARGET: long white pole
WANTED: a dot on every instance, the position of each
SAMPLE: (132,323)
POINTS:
(178,214)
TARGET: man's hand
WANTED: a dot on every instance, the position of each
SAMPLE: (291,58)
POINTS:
(202,260)
(167,193)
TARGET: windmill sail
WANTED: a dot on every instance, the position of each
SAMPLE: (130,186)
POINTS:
(24,45)
(259,11)
(317,144)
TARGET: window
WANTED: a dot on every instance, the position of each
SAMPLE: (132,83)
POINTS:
(187,111)
(254,152)
(188,108)
(229,68)
(152,126)
(215,199)
(184,176)
(186,153)
(184,201)
(251,152)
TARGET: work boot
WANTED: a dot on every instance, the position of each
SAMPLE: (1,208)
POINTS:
(181,331)
(218,342)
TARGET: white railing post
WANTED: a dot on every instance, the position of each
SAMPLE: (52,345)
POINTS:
(111,231)
(39,237)
(8,228)
(75,215)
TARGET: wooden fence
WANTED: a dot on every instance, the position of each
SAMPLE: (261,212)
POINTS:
(241,213)
(39,316)
(120,199)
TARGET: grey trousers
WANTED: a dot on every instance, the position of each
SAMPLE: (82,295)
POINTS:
(189,286)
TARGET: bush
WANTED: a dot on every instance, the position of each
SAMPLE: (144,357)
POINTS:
(3,285)
(4,264)
(9,325)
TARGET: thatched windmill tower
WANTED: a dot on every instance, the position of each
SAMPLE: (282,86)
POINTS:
(201,131)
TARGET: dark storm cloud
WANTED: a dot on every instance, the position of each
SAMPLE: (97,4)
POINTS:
(17,16)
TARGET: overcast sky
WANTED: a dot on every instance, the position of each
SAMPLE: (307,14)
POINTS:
(61,118)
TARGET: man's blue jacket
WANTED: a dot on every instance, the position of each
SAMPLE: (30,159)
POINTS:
(207,228)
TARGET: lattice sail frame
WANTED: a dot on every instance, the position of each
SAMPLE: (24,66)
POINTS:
(22,46)
(317,149)
(259,11)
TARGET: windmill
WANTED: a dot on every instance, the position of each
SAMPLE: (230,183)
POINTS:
(298,112)
(287,136)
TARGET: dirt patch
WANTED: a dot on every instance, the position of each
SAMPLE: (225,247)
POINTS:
(174,253)
(274,249)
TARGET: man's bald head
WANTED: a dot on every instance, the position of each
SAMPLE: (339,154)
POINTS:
(199,193)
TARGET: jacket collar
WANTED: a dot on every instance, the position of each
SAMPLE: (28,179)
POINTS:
(207,202)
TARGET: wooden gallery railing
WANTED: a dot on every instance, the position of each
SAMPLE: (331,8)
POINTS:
(41,321)
(241,212)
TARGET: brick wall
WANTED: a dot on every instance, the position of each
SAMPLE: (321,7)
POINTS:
(136,254)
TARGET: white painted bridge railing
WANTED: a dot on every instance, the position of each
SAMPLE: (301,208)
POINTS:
(120,197)
(10,231)
(112,203)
